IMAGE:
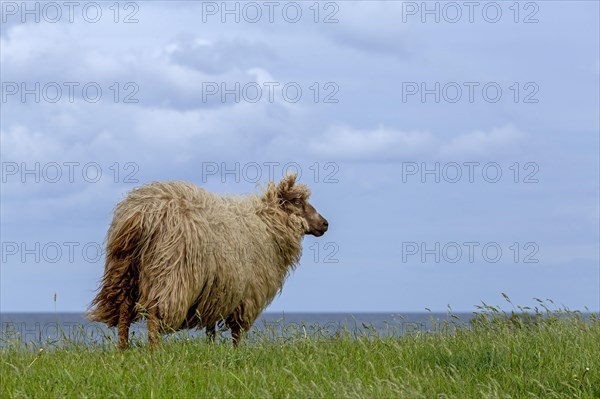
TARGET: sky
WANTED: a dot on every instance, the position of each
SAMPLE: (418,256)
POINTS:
(453,147)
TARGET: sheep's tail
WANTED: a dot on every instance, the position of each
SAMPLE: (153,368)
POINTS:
(121,272)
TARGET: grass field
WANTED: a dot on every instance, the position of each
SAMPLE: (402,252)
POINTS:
(550,354)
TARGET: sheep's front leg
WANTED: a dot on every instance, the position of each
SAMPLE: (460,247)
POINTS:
(236,333)
(211,332)
(238,325)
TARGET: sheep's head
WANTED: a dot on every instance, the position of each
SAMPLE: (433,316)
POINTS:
(293,199)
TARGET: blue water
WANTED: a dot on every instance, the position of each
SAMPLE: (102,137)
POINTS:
(55,328)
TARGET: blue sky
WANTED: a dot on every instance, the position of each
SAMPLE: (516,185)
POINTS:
(387,93)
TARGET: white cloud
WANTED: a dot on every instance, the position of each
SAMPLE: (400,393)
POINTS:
(27,45)
(505,139)
(216,56)
(377,144)
(370,26)
(384,143)
(20,142)
(167,73)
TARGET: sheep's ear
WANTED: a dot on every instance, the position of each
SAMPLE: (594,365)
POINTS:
(286,184)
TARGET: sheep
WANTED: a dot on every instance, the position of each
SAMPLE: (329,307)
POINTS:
(184,257)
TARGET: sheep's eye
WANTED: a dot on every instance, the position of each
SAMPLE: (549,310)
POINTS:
(297,202)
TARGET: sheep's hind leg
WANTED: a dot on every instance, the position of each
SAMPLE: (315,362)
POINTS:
(153,327)
(125,317)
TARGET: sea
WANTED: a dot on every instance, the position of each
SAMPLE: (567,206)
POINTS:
(55,329)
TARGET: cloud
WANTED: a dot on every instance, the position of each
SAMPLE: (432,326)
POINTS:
(62,204)
(505,139)
(385,143)
(20,142)
(26,47)
(370,27)
(380,143)
(216,57)
(170,73)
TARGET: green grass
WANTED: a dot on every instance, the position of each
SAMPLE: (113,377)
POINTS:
(552,354)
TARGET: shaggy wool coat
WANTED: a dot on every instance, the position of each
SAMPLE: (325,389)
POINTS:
(197,256)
